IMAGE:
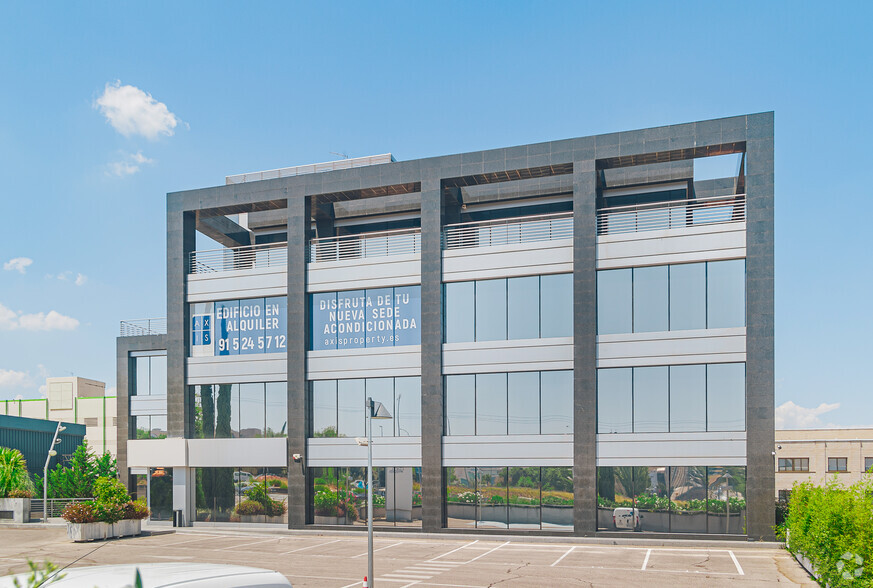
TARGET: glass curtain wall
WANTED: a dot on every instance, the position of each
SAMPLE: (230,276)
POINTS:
(509,498)
(339,496)
(529,307)
(232,411)
(518,403)
(242,495)
(707,295)
(338,407)
(661,399)
(674,499)
(149,378)
(156,490)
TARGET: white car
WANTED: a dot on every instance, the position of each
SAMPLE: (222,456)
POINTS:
(626,518)
(155,575)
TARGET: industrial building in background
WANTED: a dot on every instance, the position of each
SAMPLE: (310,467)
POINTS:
(571,337)
(73,400)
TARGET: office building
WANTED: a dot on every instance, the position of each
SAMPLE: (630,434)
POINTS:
(560,331)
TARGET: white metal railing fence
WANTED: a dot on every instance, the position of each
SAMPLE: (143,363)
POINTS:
(525,229)
(238,258)
(376,244)
(56,506)
(671,215)
(146,326)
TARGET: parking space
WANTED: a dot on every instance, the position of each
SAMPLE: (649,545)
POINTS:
(339,561)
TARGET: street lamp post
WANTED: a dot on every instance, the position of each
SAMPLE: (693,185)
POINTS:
(375,410)
(51,454)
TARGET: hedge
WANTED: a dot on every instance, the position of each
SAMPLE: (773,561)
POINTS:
(832,526)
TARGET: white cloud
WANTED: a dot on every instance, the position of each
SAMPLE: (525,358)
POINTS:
(40,321)
(794,416)
(131,111)
(13,379)
(18,264)
(81,279)
(129,165)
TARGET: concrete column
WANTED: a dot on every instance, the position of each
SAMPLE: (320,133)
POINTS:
(298,336)
(760,377)
(584,350)
(431,356)
(184,486)
(180,244)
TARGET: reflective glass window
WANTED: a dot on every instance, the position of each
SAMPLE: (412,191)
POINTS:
(251,410)
(277,409)
(556,305)
(491,404)
(492,497)
(350,408)
(491,310)
(323,311)
(524,308)
(226,410)
(460,405)
(726,293)
(324,408)
(615,400)
(158,368)
(556,395)
(688,499)
(159,426)
(614,302)
(557,498)
(688,296)
(460,312)
(382,390)
(460,493)
(726,397)
(651,305)
(143,377)
(687,398)
(143,427)
(523,391)
(407,398)
(651,400)
(523,497)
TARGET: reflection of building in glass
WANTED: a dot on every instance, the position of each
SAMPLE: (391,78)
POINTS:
(573,336)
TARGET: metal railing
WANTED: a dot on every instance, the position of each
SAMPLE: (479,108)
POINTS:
(377,244)
(238,258)
(312,168)
(671,215)
(146,326)
(506,231)
(56,506)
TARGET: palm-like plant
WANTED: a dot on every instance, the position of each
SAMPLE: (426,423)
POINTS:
(13,473)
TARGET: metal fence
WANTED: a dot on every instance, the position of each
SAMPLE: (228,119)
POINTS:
(671,215)
(56,506)
(376,244)
(146,326)
(525,229)
(238,258)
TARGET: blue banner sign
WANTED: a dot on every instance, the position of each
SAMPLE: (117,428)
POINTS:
(240,327)
(357,319)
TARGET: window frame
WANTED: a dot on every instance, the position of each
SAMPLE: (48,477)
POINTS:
(795,466)
(845,463)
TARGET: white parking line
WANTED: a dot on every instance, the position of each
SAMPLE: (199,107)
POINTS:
(487,552)
(380,549)
(737,563)
(453,550)
(569,551)
(646,561)
(354,584)
(234,547)
(311,546)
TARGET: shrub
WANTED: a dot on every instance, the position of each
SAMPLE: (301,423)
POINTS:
(80,512)
(378,501)
(249,508)
(136,510)
(832,526)
(111,500)
(14,480)
(327,504)
(351,512)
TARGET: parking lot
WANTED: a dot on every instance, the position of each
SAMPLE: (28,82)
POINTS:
(340,560)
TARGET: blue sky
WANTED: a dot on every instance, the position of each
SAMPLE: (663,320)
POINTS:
(253,86)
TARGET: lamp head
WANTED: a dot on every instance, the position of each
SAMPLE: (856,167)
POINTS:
(378,411)
(53,453)
(61,428)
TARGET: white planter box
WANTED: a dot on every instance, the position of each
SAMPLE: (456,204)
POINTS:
(19,507)
(92,531)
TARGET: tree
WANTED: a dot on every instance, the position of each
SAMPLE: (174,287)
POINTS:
(76,479)
(14,479)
